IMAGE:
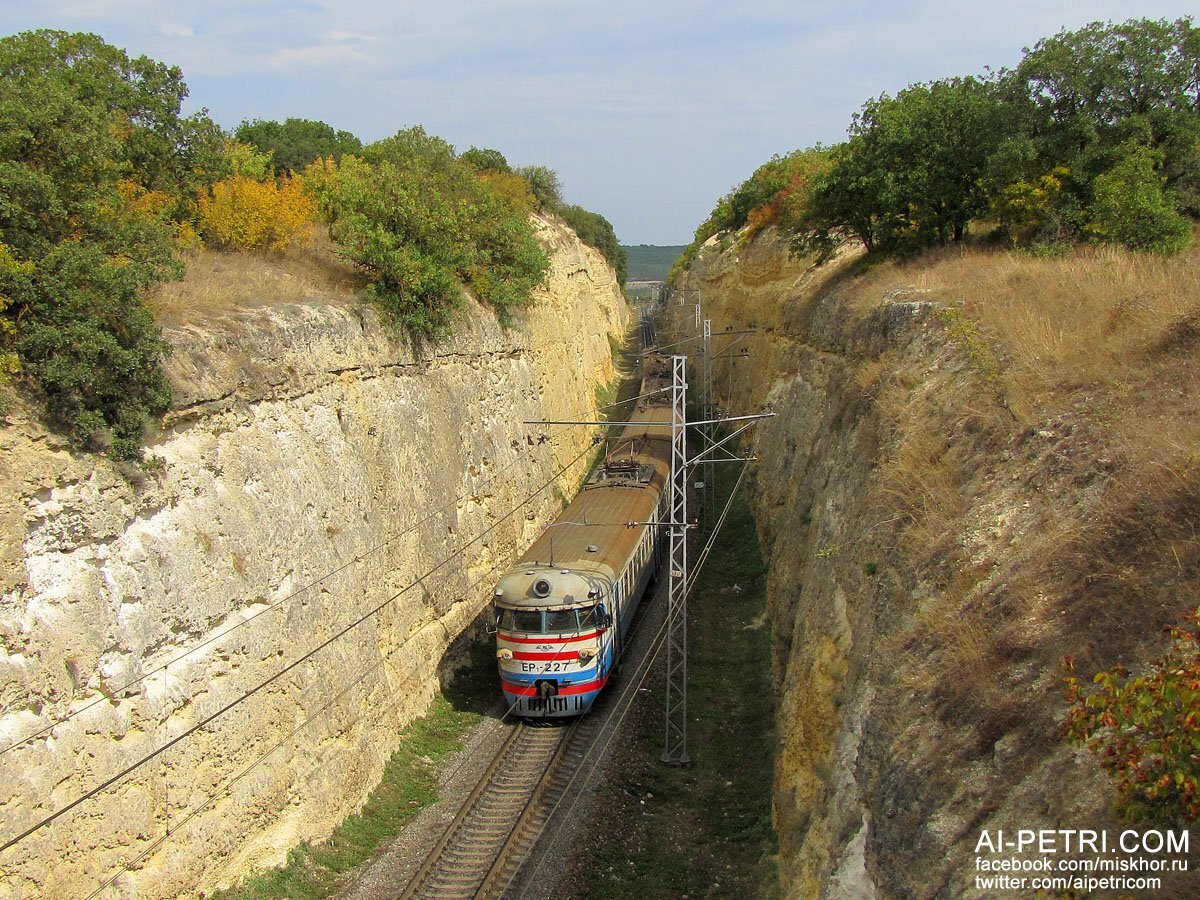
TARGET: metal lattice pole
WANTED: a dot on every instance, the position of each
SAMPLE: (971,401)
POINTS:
(709,497)
(675,742)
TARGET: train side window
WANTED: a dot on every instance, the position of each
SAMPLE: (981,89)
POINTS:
(529,620)
(561,620)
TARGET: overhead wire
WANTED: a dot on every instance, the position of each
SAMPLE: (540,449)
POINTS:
(308,655)
(656,644)
(225,789)
(228,786)
(327,642)
(209,641)
(652,654)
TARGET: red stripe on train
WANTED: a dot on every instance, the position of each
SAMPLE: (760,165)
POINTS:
(547,639)
(565,656)
(565,690)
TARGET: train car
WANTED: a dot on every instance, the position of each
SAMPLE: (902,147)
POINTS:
(563,609)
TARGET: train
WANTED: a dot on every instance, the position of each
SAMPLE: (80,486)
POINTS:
(563,609)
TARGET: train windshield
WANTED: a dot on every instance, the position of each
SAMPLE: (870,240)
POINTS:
(561,620)
(556,622)
(521,620)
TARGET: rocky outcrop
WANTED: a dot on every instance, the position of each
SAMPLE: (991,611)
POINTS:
(930,565)
(325,510)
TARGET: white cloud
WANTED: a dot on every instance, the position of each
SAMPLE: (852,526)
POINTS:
(350,36)
(648,110)
(317,56)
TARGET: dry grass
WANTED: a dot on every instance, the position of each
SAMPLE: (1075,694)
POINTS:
(1086,430)
(921,483)
(1101,345)
(1094,319)
(216,282)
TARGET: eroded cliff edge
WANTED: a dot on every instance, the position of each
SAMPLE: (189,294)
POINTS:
(312,471)
(942,528)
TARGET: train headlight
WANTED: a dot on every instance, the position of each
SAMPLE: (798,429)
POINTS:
(585,655)
(504,654)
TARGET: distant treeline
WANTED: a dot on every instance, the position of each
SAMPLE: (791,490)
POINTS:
(103,184)
(1094,136)
(650,262)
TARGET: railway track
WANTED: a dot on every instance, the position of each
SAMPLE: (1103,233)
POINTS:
(482,834)
(483,852)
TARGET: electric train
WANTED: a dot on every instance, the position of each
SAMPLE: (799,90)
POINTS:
(562,611)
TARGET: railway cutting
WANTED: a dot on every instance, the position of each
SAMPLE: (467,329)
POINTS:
(523,806)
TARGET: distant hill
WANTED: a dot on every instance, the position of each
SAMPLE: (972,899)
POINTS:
(648,262)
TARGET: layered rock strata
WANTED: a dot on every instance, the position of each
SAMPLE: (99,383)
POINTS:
(326,509)
(928,550)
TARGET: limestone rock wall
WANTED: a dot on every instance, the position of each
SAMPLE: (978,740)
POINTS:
(911,522)
(328,511)
(807,492)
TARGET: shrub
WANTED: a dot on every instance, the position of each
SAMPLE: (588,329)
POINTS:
(776,194)
(423,225)
(1130,207)
(1146,729)
(10,268)
(1028,209)
(95,165)
(512,189)
(595,230)
(91,343)
(545,185)
(486,160)
(247,160)
(240,213)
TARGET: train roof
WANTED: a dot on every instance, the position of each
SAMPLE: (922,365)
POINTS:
(592,534)
(547,587)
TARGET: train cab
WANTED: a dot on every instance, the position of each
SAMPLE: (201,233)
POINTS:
(554,638)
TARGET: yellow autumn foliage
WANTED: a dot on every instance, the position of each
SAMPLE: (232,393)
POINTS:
(240,213)
(1029,209)
(9,266)
(140,200)
(512,189)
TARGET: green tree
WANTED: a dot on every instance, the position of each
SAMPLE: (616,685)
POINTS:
(95,160)
(1093,90)
(545,185)
(486,160)
(1130,206)
(910,175)
(422,225)
(849,199)
(595,230)
(294,143)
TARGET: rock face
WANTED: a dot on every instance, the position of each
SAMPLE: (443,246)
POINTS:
(329,511)
(915,529)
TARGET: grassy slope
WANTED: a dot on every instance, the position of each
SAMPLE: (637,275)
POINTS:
(215,282)
(1094,354)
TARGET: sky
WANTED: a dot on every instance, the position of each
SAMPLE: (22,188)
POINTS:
(648,110)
